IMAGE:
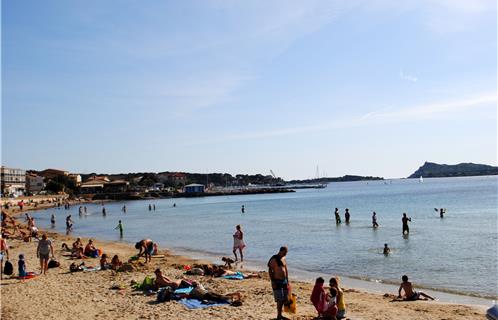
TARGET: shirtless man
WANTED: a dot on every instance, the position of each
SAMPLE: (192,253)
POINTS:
(163,281)
(145,247)
(410,294)
(405,220)
(277,269)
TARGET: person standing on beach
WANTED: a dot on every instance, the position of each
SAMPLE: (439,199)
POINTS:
(347,216)
(405,220)
(337,216)
(279,276)
(341,305)
(4,252)
(374,220)
(238,243)
(43,252)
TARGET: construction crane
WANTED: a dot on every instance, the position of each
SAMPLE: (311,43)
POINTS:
(273,174)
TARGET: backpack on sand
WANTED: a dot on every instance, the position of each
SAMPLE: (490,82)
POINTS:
(8,269)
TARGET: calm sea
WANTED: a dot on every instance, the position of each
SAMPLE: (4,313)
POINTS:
(455,254)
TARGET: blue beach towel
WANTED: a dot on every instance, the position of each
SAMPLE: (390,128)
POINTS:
(238,276)
(183,290)
(196,304)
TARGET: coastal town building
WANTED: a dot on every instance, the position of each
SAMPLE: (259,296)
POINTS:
(34,183)
(102,184)
(13,181)
(52,173)
(76,178)
(194,188)
(176,178)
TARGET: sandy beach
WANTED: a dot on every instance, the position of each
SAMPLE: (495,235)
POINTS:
(88,295)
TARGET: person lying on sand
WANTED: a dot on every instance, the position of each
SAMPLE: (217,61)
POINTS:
(200,293)
(163,281)
(410,294)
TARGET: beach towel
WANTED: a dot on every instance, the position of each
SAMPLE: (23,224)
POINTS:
(89,269)
(237,276)
(196,304)
(183,290)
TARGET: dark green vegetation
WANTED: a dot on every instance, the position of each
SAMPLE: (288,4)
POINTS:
(433,170)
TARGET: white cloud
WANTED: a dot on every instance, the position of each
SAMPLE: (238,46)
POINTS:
(407,77)
(424,111)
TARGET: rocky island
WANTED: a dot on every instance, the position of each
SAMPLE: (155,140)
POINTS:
(433,170)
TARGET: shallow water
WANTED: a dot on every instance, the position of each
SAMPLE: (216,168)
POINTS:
(455,254)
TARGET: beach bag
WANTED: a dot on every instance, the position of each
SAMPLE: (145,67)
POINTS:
(291,305)
(8,269)
(148,283)
(53,263)
(164,294)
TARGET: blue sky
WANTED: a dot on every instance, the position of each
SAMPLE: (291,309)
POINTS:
(355,87)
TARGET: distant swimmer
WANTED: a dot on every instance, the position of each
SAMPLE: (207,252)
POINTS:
(386,249)
(441,211)
(124,208)
(374,220)
(174,205)
(80,210)
(52,219)
(154,207)
(84,209)
(150,207)
(347,216)
(405,220)
(103,211)
(337,216)
(243,209)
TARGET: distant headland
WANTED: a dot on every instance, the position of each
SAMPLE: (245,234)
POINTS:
(435,170)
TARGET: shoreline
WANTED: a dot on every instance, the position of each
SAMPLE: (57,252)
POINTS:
(301,275)
(93,288)
(356,283)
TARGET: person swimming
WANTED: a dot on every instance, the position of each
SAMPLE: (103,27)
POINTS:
(387,250)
